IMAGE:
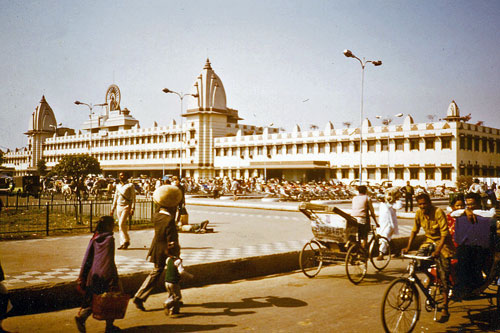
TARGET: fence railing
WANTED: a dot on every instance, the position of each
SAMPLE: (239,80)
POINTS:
(25,216)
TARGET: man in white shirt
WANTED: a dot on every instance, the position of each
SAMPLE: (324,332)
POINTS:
(124,203)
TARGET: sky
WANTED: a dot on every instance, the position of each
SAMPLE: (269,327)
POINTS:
(281,62)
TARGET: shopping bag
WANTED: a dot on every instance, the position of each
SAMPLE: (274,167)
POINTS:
(110,305)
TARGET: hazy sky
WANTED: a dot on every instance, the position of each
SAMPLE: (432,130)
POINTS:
(279,61)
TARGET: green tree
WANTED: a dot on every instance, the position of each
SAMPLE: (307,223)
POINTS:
(77,167)
(464,182)
(41,166)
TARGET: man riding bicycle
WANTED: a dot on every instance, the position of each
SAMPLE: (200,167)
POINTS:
(438,243)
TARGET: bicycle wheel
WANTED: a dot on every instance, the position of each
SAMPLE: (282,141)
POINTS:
(380,242)
(311,259)
(400,306)
(356,264)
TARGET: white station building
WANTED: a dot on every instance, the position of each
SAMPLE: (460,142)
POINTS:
(211,142)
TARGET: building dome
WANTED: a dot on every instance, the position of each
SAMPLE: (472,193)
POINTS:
(42,118)
(453,110)
(210,90)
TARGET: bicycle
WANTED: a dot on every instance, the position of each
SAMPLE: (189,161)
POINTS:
(401,303)
(337,244)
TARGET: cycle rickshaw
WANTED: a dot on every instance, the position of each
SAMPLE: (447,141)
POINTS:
(401,303)
(335,241)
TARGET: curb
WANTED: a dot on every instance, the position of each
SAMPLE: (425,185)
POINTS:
(58,296)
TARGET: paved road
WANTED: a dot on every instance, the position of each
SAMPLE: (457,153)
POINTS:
(284,303)
(239,232)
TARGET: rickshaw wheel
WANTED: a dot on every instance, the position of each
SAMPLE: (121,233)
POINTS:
(311,259)
(356,263)
(375,252)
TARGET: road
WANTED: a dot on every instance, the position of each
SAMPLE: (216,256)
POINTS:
(237,230)
(283,303)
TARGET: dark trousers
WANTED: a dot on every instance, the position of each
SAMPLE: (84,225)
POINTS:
(150,282)
(409,202)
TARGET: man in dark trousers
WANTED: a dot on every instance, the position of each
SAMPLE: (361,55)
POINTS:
(408,192)
(167,198)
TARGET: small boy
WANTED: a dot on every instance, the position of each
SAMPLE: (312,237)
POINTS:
(174,271)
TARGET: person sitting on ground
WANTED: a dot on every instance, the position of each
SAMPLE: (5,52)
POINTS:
(475,233)
(438,243)
(98,273)
(362,209)
(174,272)
(197,228)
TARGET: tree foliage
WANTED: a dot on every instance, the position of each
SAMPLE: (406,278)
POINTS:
(41,166)
(77,167)
(464,182)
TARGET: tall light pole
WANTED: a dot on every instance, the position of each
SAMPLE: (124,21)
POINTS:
(363,63)
(55,127)
(387,121)
(265,152)
(181,97)
(90,106)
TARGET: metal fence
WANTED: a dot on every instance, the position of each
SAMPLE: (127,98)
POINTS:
(27,216)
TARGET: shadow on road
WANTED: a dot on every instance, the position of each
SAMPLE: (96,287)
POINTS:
(177,328)
(482,319)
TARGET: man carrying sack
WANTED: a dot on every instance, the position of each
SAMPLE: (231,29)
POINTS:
(167,198)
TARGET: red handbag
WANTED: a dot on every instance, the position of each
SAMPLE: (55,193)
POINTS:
(109,305)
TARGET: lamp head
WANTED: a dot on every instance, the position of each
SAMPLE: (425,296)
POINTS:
(195,95)
(378,117)
(166,90)
(78,102)
(377,63)
(348,54)
(399,115)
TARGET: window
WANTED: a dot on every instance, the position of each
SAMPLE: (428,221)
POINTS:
(415,144)
(345,147)
(217,151)
(485,145)
(310,148)
(225,153)
(333,147)
(279,150)
(260,150)
(498,146)
(446,143)
(289,149)
(413,173)
(371,145)
(300,149)
(469,143)
(371,173)
(476,144)
(399,144)
(356,145)
(383,173)
(321,148)
(356,173)
(345,173)
(462,143)
(399,173)
(429,143)
(233,151)
(492,145)
(384,145)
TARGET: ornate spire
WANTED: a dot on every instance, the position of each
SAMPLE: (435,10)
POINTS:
(207,64)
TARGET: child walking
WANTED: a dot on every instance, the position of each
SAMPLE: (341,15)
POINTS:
(174,271)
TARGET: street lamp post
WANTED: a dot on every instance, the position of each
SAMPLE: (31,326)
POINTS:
(181,97)
(363,63)
(90,106)
(387,121)
(266,153)
(55,127)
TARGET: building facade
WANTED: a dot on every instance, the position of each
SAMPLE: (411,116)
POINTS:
(210,141)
